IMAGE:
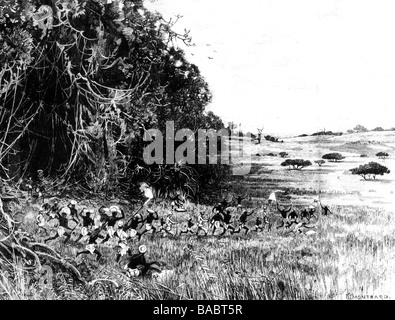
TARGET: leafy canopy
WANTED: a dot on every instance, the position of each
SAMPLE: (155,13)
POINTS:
(80,82)
(382,155)
(296,164)
(372,169)
(333,156)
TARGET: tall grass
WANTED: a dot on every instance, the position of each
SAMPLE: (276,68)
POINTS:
(351,253)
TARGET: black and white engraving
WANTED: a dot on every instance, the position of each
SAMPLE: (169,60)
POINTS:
(197,150)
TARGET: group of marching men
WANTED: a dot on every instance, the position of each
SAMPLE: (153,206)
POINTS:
(222,217)
(108,223)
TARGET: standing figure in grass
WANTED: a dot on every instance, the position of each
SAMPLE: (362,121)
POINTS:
(53,214)
(122,236)
(73,210)
(190,225)
(151,217)
(224,204)
(120,233)
(133,225)
(97,220)
(216,220)
(149,195)
(239,200)
(41,221)
(200,222)
(63,228)
(312,210)
(87,220)
(283,212)
(325,210)
(284,215)
(87,224)
(258,224)
(168,223)
(292,218)
(147,191)
(91,246)
(101,217)
(304,214)
(55,207)
(243,222)
(227,222)
(265,217)
(112,220)
(218,208)
(162,224)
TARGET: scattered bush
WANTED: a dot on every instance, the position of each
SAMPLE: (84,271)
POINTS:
(319,162)
(333,157)
(327,133)
(370,170)
(296,164)
(382,155)
(378,129)
(359,128)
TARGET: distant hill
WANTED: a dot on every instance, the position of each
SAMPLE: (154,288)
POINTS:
(327,133)
(272,139)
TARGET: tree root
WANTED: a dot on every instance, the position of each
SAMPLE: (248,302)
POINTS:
(64,263)
(33,254)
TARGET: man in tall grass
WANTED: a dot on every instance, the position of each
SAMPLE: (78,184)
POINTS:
(243,222)
(87,224)
(147,191)
(227,222)
(190,226)
(149,219)
(90,248)
(112,220)
(200,224)
(63,228)
(217,220)
(284,216)
(41,221)
(167,223)
(239,200)
(325,210)
(258,224)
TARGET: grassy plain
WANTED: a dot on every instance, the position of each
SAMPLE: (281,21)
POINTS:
(352,252)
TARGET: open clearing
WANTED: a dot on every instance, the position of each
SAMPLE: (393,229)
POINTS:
(333,179)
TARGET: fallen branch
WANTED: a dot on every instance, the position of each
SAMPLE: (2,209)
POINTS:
(63,263)
(41,245)
(33,254)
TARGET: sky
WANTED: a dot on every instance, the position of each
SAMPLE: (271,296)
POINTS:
(293,66)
